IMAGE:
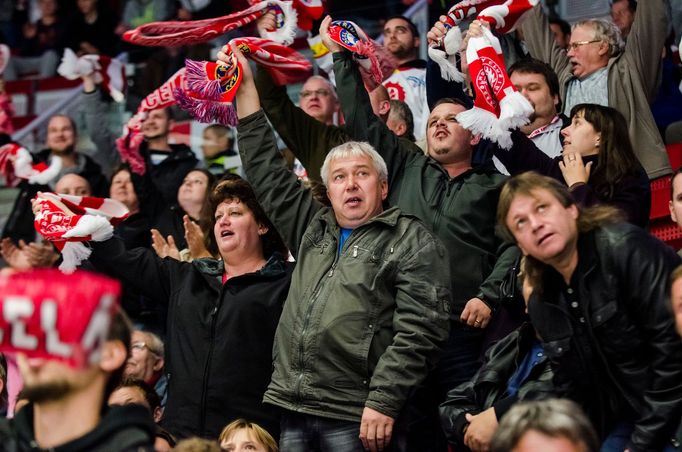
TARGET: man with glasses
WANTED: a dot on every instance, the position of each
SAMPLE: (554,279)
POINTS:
(598,68)
(146,362)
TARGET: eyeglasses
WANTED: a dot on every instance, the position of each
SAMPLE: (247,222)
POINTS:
(139,346)
(317,92)
(575,45)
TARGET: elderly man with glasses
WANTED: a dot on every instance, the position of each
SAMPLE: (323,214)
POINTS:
(598,68)
(146,362)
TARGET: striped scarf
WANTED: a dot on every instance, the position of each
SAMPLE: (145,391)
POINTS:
(210,87)
(502,15)
(181,33)
(67,221)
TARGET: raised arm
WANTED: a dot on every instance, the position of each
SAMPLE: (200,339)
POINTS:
(524,156)
(645,44)
(140,268)
(309,139)
(96,121)
(288,205)
(539,38)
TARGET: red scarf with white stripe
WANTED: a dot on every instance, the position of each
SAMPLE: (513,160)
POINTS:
(181,33)
(307,11)
(16,164)
(108,72)
(67,221)
(210,88)
(498,106)
(502,15)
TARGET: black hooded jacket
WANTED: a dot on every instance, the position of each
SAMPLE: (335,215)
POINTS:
(122,428)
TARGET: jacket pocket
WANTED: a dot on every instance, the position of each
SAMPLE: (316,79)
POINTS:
(557,348)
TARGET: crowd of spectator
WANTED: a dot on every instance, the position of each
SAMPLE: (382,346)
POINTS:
(353,269)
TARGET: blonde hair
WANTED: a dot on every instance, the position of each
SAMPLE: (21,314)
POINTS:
(259,433)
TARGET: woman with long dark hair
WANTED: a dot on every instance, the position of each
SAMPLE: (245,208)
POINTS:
(598,163)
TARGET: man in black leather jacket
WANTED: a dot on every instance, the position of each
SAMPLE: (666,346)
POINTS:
(599,303)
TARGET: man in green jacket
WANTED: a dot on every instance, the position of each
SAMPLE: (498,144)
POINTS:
(367,312)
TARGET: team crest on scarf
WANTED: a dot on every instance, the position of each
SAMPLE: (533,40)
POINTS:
(502,15)
(210,88)
(375,62)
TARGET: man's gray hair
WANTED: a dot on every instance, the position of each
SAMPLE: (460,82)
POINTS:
(607,31)
(556,418)
(354,149)
(155,343)
(401,112)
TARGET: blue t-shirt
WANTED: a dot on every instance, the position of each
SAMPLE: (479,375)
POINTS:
(343,236)
(525,367)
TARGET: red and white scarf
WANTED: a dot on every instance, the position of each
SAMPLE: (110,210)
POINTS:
(375,62)
(498,106)
(181,33)
(129,143)
(108,72)
(502,15)
(16,164)
(67,221)
(307,11)
(210,88)
(47,315)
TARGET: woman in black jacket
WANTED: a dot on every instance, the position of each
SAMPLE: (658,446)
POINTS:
(222,314)
(597,162)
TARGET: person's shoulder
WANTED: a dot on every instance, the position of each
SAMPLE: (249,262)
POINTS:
(181,150)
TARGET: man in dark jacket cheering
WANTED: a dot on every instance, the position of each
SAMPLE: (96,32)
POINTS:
(599,304)
(367,311)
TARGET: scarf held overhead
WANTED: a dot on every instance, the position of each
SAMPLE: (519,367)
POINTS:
(210,88)
(67,221)
(498,106)
(181,33)
(375,62)
(502,15)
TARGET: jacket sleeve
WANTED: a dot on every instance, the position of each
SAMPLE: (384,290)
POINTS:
(140,268)
(490,291)
(309,139)
(539,39)
(525,156)
(420,323)
(361,122)
(96,121)
(645,43)
(437,87)
(289,206)
(631,196)
(461,400)
(644,265)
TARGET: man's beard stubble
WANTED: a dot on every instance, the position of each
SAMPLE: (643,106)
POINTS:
(46,392)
